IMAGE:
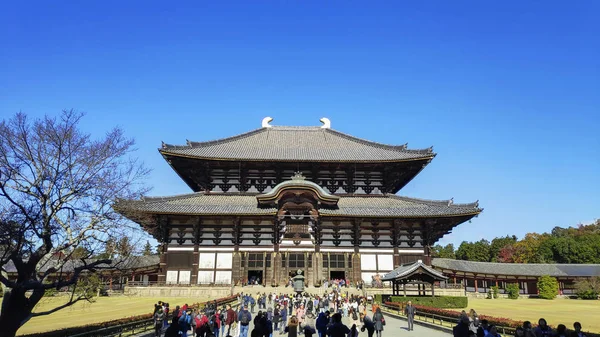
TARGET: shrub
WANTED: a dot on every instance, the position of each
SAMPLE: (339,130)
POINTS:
(512,289)
(495,291)
(377,298)
(547,287)
(588,289)
(497,321)
(448,302)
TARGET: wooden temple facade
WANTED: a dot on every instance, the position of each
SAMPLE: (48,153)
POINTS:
(275,200)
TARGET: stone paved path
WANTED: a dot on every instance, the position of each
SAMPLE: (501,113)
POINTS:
(394,327)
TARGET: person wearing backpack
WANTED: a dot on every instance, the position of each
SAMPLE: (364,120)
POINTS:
(185,322)
(252,303)
(244,318)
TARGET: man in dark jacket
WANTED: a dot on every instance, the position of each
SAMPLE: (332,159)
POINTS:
(462,329)
(410,312)
(337,329)
(483,328)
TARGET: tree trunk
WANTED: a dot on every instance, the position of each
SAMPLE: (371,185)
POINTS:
(16,311)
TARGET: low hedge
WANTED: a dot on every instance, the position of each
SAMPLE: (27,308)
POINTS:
(443,302)
(96,326)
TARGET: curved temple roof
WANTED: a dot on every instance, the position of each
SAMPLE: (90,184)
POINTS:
(298,182)
(297,144)
(245,204)
(408,270)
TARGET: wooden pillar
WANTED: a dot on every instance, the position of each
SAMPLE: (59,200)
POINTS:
(356,268)
(162,265)
(404,288)
(317,259)
(277,267)
(195,261)
(454,278)
(432,289)
(475,279)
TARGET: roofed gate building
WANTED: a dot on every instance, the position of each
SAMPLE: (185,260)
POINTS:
(279,199)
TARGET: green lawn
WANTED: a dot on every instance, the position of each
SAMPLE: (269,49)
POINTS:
(104,309)
(555,311)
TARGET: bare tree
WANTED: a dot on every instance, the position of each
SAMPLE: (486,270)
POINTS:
(57,189)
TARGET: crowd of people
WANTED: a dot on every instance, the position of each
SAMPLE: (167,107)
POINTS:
(278,314)
(470,325)
(313,315)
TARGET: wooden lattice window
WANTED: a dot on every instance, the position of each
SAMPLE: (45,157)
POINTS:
(296,260)
(255,260)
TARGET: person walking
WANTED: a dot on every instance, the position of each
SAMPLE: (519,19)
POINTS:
(283,317)
(230,320)
(379,321)
(368,325)
(292,327)
(244,319)
(410,312)
(159,317)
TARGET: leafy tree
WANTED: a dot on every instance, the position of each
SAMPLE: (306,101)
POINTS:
(588,288)
(547,287)
(527,249)
(124,247)
(497,244)
(446,252)
(474,251)
(147,249)
(506,254)
(57,189)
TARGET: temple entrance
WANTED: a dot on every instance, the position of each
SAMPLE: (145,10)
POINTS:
(337,275)
(255,277)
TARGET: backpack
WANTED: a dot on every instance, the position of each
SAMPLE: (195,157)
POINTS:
(354,316)
(212,322)
(245,319)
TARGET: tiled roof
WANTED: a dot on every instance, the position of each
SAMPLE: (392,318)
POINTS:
(407,270)
(238,204)
(520,269)
(282,143)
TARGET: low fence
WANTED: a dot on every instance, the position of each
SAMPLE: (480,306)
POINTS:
(448,322)
(437,319)
(137,325)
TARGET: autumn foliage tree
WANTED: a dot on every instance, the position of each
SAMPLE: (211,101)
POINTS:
(57,189)
(578,244)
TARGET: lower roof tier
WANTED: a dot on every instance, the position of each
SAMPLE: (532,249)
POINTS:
(380,206)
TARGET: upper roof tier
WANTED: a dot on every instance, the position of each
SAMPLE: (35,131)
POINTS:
(296,144)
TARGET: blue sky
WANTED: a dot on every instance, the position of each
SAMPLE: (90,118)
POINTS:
(506,92)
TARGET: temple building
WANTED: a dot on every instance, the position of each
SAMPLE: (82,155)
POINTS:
(278,199)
